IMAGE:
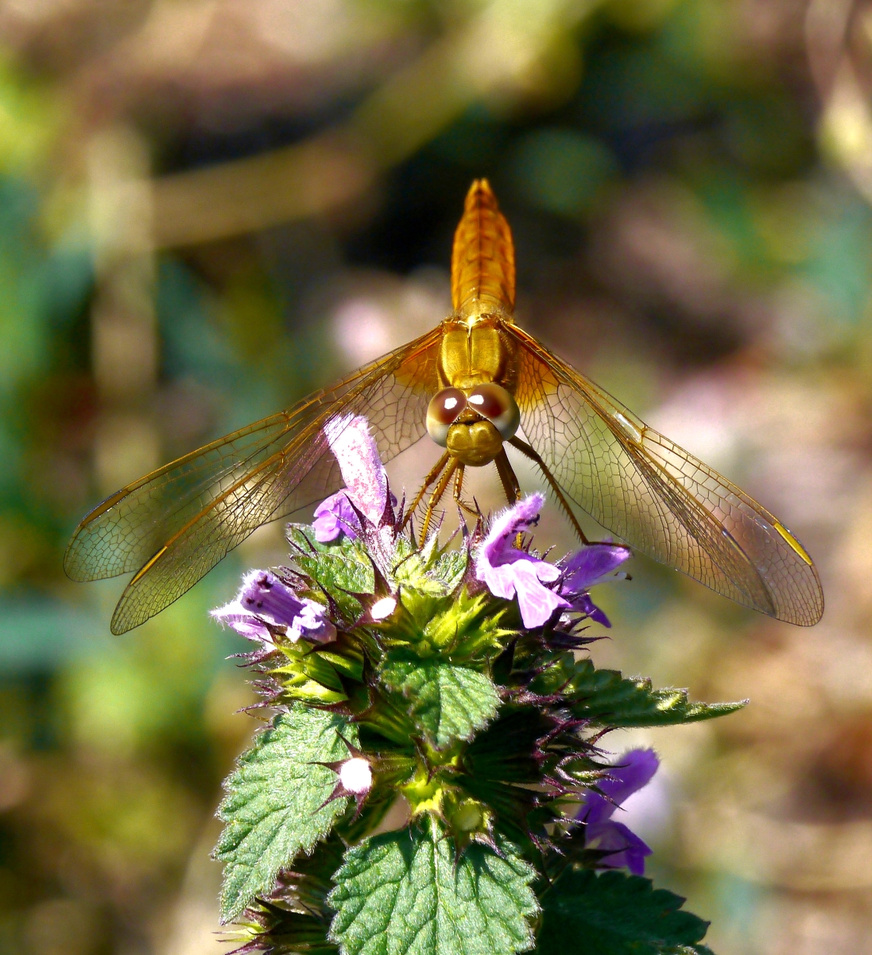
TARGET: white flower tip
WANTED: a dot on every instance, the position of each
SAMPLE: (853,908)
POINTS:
(355,774)
(335,426)
(383,608)
(232,609)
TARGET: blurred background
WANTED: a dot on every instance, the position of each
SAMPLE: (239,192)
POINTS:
(208,208)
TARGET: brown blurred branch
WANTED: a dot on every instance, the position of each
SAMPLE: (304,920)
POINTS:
(500,51)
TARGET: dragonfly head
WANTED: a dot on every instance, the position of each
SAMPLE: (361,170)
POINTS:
(473,423)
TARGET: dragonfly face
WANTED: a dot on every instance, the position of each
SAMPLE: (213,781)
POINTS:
(473,424)
(472,383)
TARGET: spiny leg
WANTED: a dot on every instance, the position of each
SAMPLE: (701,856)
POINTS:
(439,475)
(533,455)
(458,490)
(452,468)
(511,485)
(458,487)
(441,472)
(509,479)
(431,479)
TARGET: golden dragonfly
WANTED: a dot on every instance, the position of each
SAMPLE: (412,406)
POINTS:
(472,383)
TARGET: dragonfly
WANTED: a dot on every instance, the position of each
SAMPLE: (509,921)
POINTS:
(473,384)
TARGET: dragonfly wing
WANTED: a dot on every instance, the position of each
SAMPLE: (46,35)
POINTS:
(173,525)
(658,497)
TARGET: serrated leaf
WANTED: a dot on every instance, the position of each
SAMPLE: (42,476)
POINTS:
(471,629)
(616,914)
(606,698)
(276,802)
(426,572)
(341,569)
(407,893)
(447,702)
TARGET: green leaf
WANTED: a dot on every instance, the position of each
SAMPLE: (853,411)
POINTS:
(407,893)
(455,625)
(447,702)
(276,802)
(606,698)
(470,627)
(341,569)
(429,571)
(320,675)
(615,914)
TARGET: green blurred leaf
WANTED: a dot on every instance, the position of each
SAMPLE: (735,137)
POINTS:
(562,170)
(616,914)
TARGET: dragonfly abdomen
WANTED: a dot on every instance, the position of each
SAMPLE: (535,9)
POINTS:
(483,258)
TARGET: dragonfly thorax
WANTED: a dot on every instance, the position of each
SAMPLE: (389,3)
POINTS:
(473,354)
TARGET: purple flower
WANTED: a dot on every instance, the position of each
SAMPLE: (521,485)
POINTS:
(263,601)
(509,572)
(366,482)
(335,516)
(633,771)
(591,565)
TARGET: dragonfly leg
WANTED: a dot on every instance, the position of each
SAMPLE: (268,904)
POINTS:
(440,476)
(511,485)
(458,490)
(509,479)
(450,468)
(534,456)
(458,487)
(429,481)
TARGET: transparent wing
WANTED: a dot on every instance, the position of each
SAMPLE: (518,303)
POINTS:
(657,497)
(173,525)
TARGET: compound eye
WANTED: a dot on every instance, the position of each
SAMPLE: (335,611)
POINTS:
(493,402)
(442,412)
